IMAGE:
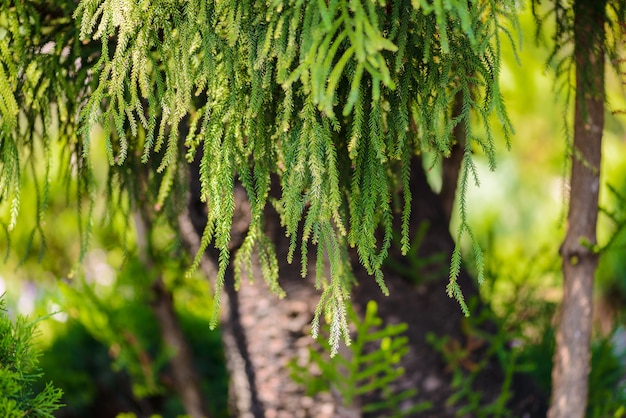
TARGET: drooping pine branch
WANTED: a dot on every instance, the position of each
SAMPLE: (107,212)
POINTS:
(333,98)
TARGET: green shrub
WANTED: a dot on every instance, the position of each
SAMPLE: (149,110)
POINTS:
(469,359)
(19,371)
(361,371)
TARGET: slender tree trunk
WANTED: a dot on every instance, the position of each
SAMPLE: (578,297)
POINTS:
(572,354)
(186,381)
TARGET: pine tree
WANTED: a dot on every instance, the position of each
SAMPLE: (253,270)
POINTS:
(333,98)
(316,109)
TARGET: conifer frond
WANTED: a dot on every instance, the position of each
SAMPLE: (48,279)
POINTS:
(333,98)
(20,371)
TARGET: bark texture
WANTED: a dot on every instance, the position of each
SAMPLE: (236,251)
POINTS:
(261,333)
(572,354)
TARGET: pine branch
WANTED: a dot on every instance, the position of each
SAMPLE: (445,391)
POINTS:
(333,98)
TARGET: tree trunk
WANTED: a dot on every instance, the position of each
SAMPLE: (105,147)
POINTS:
(573,335)
(260,332)
(186,381)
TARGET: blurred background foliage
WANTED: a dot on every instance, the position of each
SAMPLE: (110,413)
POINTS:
(102,342)
(103,335)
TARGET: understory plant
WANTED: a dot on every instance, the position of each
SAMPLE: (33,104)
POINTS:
(468,359)
(19,371)
(368,366)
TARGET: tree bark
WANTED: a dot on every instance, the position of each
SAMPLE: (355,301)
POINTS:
(260,332)
(573,335)
(243,397)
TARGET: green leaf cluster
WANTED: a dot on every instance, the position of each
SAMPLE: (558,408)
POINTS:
(18,371)
(471,359)
(334,99)
(370,366)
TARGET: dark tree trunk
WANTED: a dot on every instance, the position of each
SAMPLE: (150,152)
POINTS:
(261,333)
(572,355)
(185,378)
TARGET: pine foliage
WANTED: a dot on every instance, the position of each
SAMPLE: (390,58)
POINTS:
(18,371)
(44,78)
(334,98)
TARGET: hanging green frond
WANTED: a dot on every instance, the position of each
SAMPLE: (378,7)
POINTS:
(19,372)
(332,99)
